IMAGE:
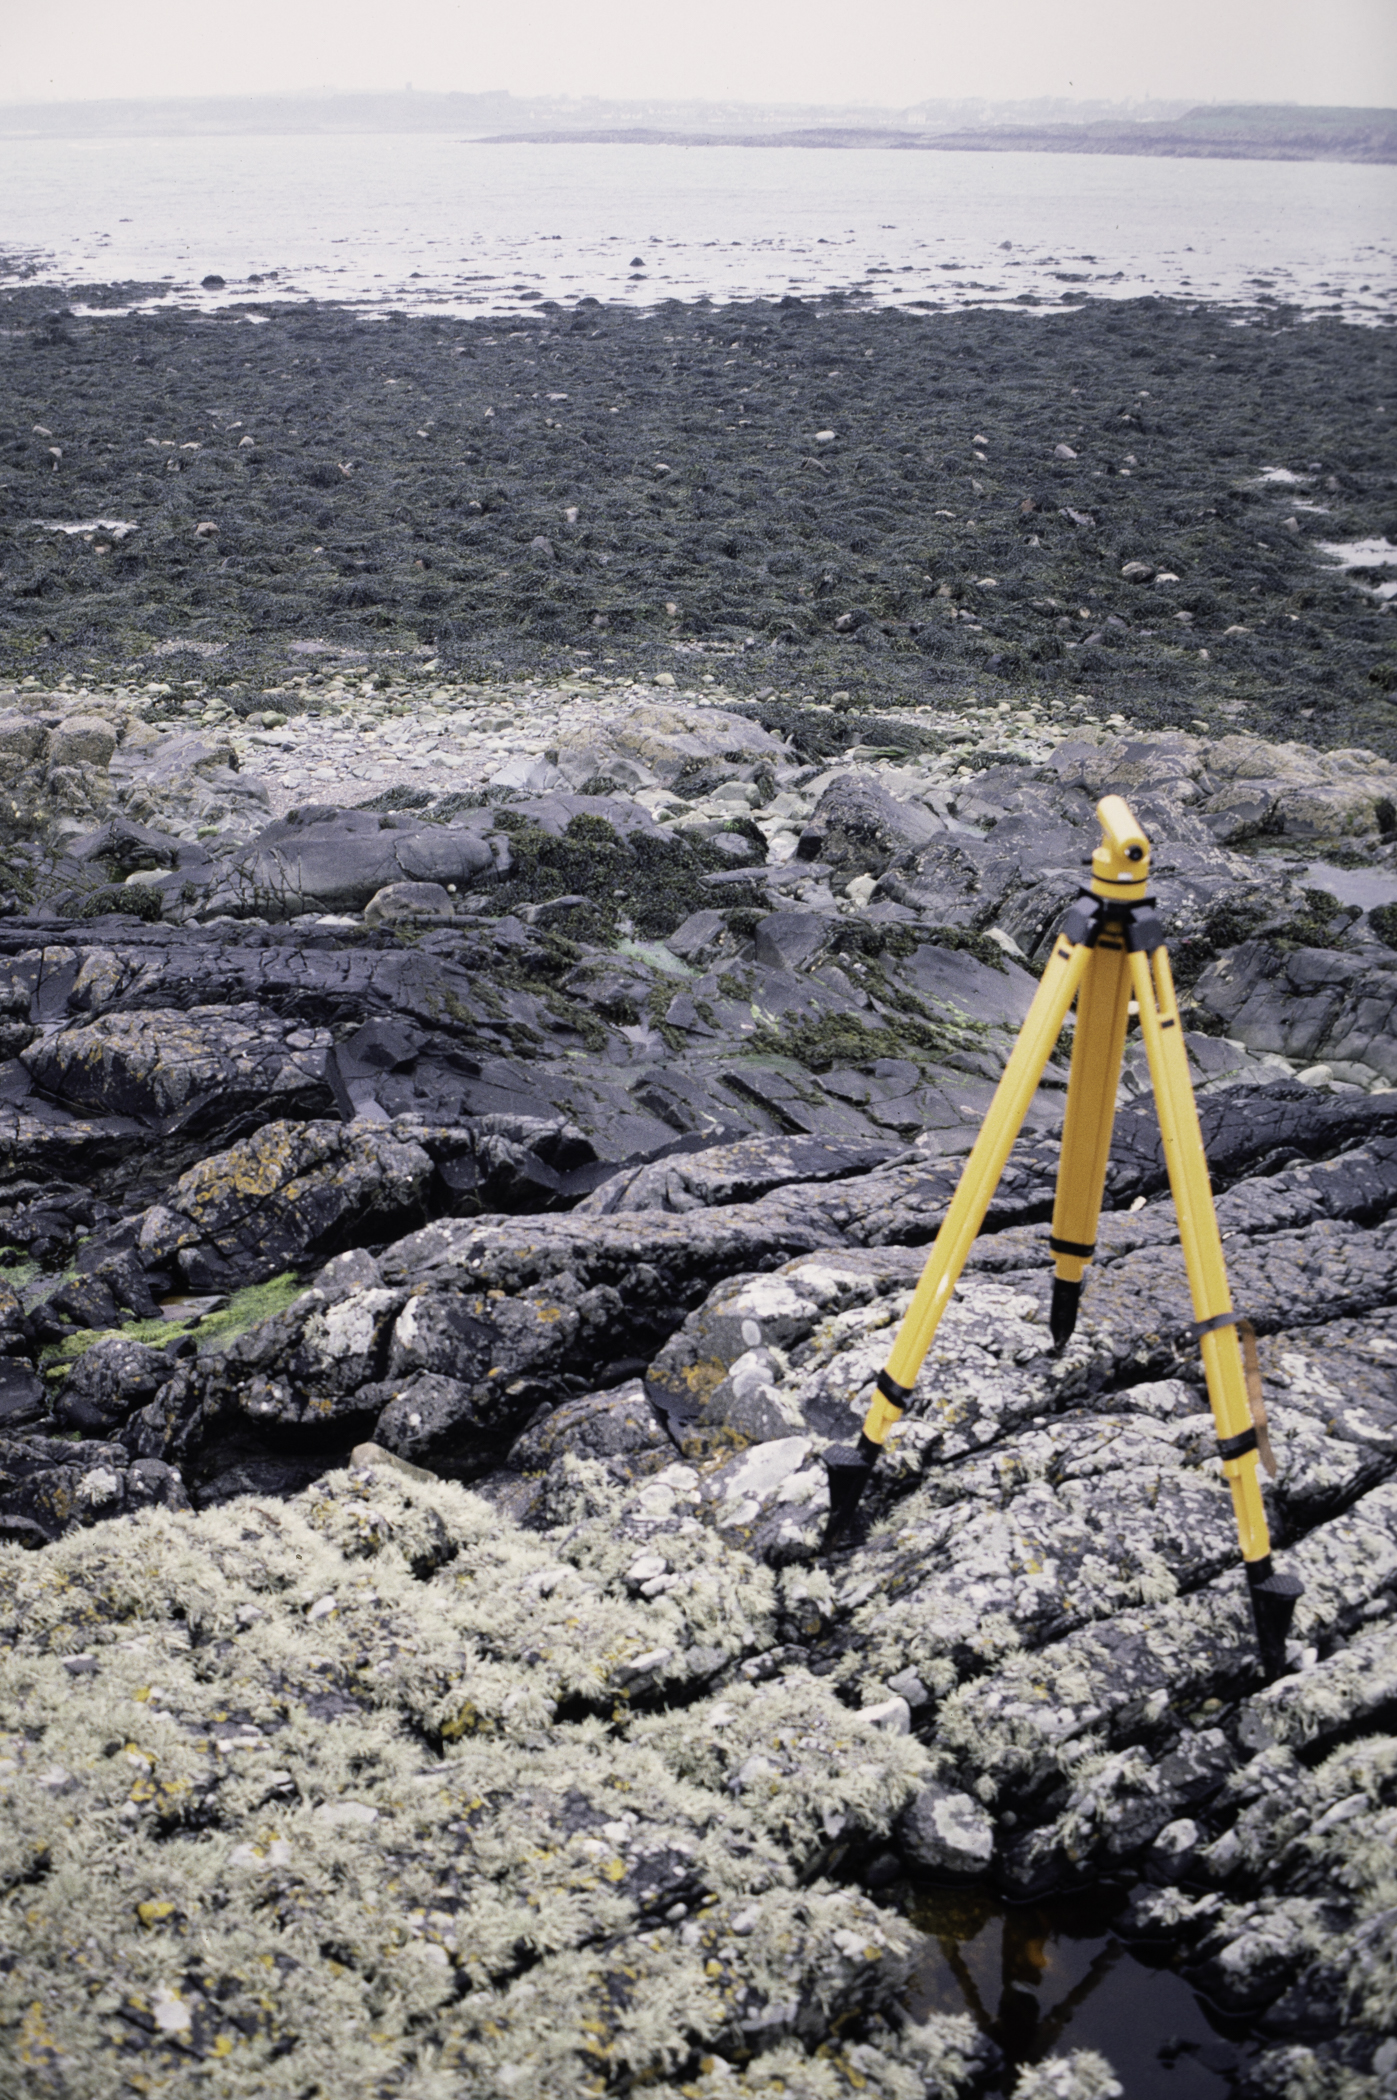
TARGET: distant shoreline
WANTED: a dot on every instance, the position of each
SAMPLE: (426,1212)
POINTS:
(1212,131)
(1140,142)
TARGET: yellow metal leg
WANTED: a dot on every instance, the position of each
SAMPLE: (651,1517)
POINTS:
(980,1178)
(1086,1132)
(1128,956)
(1273,1596)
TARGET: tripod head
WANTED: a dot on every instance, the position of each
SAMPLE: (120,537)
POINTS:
(1120,866)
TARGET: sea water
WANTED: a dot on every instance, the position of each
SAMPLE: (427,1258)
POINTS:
(432,223)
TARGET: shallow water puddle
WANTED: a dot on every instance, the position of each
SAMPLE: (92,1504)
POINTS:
(1045,1978)
(1362,886)
(1363,555)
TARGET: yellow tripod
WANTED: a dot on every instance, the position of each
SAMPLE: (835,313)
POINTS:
(1109,953)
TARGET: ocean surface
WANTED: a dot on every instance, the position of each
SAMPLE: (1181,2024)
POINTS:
(427,223)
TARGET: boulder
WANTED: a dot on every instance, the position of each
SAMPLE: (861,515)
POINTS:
(82,740)
(740,1172)
(336,860)
(616,1424)
(1309,1004)
(288,1191)
(22,739)
(662,740)
(178,1071)
(788,938)
(22,1398)
(862,829)
(435,1421)
(128,848)
(109,1382)
(49,1486)
(700,931)
(399,902)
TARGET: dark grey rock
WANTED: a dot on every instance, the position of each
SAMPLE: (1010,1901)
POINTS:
(700,931)
(49,1485)
(284,1194)
(22,1397)
(615,1424)
(109,1382)
(788,938)
(173,1070)
(434,1420)
(1313,1004)
(861,828)
(335,860)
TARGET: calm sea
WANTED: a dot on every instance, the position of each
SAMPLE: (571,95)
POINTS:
(430,223)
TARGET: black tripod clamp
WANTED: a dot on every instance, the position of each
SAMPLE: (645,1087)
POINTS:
(1088,917)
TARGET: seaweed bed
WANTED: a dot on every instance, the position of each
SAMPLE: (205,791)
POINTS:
(512,492)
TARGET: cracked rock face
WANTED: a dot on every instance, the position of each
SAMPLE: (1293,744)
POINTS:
(419,1343)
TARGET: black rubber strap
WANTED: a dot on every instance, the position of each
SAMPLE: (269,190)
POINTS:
(1071,1247)
(1259,1571)
(1237,1446)
(1202,1327)
(891,1390)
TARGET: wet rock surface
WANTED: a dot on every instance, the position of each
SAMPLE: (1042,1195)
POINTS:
(464,1152)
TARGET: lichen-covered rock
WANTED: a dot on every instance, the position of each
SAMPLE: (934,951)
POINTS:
(947,1830)
(1080,2075)
(284,1192)
(549,1899)
(49,1486)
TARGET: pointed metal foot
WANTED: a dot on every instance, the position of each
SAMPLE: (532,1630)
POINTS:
(1273,1600)
(850,1466)
(1062,1319)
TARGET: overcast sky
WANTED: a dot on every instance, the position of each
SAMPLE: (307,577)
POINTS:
(892,52)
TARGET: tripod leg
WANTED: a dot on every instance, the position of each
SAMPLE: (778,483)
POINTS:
(1272,1595)
(1086,1131)
(849,1466)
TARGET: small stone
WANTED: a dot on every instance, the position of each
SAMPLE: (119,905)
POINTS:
(1137,571)
(860,890)
(947,1829)
(908,1685)
(893,1716)
(206,530)
(1063,452)
(825,437)
(398,901)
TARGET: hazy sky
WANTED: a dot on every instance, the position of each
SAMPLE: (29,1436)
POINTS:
(886,51)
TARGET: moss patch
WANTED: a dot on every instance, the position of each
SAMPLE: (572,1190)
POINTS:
(246,1308)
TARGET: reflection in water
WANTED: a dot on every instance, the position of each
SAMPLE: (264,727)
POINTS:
(1041,1978)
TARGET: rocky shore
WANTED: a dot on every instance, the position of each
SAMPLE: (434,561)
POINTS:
(467,1140)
